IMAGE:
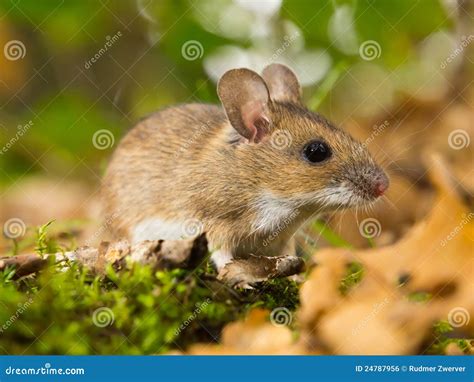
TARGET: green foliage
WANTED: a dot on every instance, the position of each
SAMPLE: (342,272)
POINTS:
(329,235)
(145,69)
(328,83)
(354,275)
(277,293)
(134,311)
(419,296)
(442,327)
(45,245)
(441,331)
(65,26)
(396,25)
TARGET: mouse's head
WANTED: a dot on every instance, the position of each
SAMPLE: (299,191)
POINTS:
(296,155)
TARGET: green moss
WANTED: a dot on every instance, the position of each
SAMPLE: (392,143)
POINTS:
(354,275)
(442,338)
(132,311)
(278,293)
(45,244)
(419,296)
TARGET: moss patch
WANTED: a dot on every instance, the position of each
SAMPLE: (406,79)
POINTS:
(443,336)
(134,311)
(353,276)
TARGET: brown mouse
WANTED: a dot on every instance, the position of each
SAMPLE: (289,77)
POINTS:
(248,174)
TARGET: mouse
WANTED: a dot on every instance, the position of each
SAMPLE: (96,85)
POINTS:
(248,173)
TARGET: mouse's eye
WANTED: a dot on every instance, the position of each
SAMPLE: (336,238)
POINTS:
(316,151)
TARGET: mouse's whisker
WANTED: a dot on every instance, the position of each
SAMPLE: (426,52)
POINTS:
(390,203)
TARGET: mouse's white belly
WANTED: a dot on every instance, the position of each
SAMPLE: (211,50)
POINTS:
(156,228)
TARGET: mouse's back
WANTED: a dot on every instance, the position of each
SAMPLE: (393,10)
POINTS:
(154,161)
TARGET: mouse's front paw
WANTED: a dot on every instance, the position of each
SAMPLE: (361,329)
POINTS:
(243,273)
(236,274)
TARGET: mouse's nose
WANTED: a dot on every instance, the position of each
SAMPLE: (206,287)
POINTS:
(380,185)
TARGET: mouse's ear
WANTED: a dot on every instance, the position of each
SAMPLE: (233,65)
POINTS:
(245,98)
(282,83)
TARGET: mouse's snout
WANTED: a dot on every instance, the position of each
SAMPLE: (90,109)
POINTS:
(369,183)
(380,185)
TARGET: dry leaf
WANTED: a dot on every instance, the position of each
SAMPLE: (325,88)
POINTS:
(255,335)
(435,257)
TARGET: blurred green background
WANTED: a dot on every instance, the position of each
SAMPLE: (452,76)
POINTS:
(356,59)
